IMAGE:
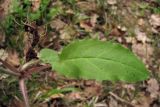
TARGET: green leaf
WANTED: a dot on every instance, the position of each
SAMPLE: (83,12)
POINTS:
(94,59)
(58,91)
(49,56)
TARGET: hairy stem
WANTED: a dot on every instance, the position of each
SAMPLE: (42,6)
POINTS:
(23,89)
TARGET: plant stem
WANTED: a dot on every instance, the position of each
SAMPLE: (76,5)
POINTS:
(23,89)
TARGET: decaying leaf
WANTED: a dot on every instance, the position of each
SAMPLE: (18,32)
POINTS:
(144,51)
(141,36)
(13,58)
(67,33)
(57,24)
(153,88)
(86,25)
(155,20)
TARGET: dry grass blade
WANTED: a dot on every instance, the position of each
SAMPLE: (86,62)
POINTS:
(120,99)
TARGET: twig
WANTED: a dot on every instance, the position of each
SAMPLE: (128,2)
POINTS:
(120,99)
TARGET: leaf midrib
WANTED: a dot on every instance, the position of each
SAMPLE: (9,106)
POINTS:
(108,59)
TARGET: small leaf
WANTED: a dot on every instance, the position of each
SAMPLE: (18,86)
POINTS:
(94,59)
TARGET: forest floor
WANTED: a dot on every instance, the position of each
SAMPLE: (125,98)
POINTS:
(133,23)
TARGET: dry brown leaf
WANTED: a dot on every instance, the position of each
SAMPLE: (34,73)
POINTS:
(13,58)
(68,33)
(57,24)
(155,20)
(153,88)
(141,36)
(86,25)
(144,51)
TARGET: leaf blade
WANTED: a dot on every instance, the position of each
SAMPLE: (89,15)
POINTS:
(107,54)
